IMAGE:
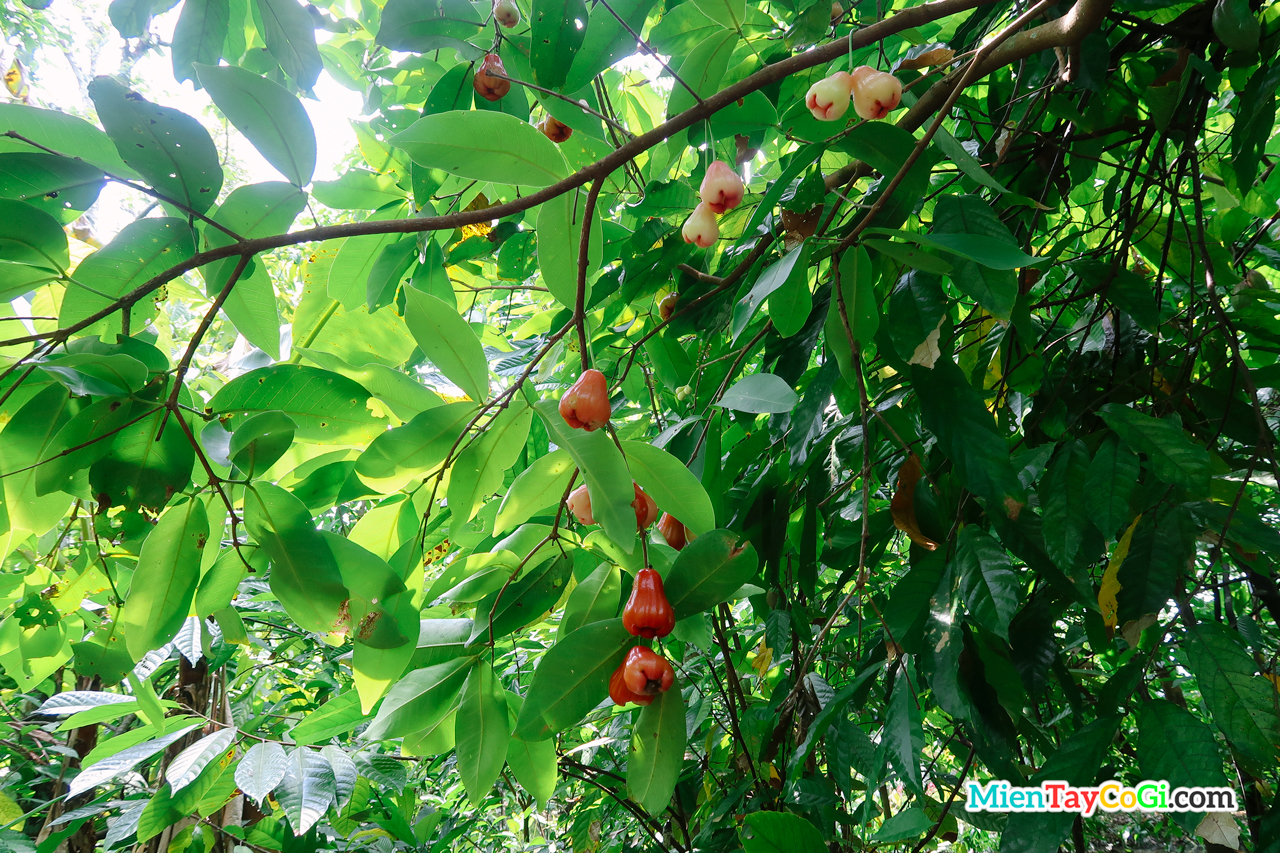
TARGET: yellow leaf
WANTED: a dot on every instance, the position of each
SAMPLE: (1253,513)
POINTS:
(763,659)
(1110,578)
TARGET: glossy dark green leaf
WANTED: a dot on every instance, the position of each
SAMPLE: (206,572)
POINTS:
(60,187)
(972,218)
(780,832)
(987,580)
(420,699)
(169,148)
(657,752)
(1171,455)
(572,678)
(1175,746)
(482,732)
(709,571)
(539,586)
(1062,503)
(145,467)
(1111,480)
(596,598)
(1242,703)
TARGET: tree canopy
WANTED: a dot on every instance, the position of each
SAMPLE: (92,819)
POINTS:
(942,428)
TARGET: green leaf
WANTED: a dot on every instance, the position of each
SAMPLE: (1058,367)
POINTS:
(908,823)
(780,832)
(304,574)
(144,467)
(977,226)
(672,486)
(560,244)
(358,189)
(987,580)
(478,470)
(348,278)
(142,250)
(307,790)
(702,70)
(760,393)
(1076,762)
(261,769)
(1174,746)
(1062,502)
(1235,25)
(290,35)
(657,752)
(483,146)
(1171,456)
(528,597)
(595,599)
(954,411)
(903,728)
(109,768)
(604,471)
(1111,479)
(557,30)
(389,269)
(449,342)
(65,134)
(99,374)
(328,408)
(267,114)
(417,26)
(420,699)
(169,149)
(533,763)
(375,591)
(164,583)
(729,14)
(1162,544)
(60,187)
(958,154)
(419,445)
(28,235)
(482,732)
(606,40)
(188,764)
(537,487)
(709,571)
(858,291)
(338,716)
(261,440)
(774,277)
(572,678)
(199,35)
(1242,702)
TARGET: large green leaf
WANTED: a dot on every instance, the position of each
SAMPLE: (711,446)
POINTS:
(709,571)
(1162,544)
(539,586)
(482,732)
(421,26)
(60,187)
(339,715)
(291,38)
(973,222)
(702,70)
(538,487)
(304,574)
(483,146)
(419,445)
(1242,702)
(1174,746)
(1172,456)
(199,35)
(560,246)
(168,148)
(420,699)
(594,599)
(164,583)
(83,440)
(448,342)
(533,763)
(987,580)
(328,408)
(307,790)
(953,410)
(605,471)
(657,752)
(671,485)
(572,678)
(556,33)
(66,134)
(1111,480)
(760,393)
(262,768)
(606,40)
(478,470)
(268,115)
(1062,492)
(780,832)
(29,235)
(145,467)
(142,250)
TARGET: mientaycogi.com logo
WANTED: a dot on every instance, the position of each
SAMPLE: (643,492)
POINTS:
(1147,796)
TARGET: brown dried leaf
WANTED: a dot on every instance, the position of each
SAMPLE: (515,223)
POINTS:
(937,56)
(903,508)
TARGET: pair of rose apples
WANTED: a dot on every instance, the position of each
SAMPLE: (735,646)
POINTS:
(644,673)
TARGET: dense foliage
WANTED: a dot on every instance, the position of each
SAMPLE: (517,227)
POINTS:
(963,425)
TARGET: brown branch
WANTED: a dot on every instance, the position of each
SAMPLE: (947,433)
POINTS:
(584,250)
